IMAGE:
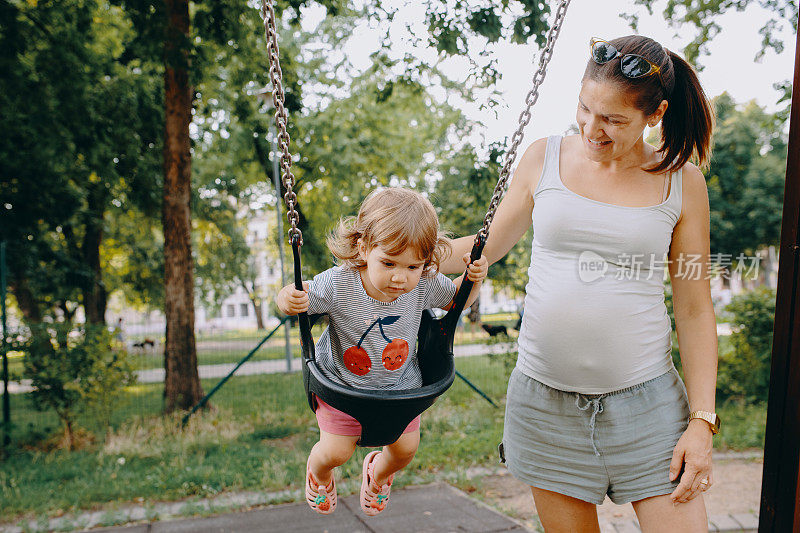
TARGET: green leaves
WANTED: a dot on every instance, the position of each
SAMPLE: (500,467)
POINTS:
(73,371)
(746,178)
(703,17)
(744,368)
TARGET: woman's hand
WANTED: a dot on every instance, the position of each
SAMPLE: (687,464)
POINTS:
(291,301)
(693,452)
(476,272)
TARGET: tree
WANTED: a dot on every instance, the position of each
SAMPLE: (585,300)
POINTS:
(69,159)
(746,178)
(703,17)
(462,197)
(73,373)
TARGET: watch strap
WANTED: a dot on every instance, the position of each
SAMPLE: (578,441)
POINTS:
(711,418)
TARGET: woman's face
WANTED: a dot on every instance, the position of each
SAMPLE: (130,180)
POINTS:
(610,127)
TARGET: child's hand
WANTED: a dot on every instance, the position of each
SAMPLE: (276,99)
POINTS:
(291,301)
(476,272)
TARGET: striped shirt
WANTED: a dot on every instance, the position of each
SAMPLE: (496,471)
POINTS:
(371,344)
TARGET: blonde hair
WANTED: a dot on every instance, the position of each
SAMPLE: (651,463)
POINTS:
(395,219)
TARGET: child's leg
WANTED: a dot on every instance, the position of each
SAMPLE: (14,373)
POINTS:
(395,457)
(331,451)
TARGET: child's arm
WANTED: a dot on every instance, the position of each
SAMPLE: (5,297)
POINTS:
(476,272)
(291,301)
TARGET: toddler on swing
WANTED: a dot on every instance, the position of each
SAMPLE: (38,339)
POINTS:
(387,275)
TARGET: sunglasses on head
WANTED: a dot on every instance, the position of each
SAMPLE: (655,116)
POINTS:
(632,65)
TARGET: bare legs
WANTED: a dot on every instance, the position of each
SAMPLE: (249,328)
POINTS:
(331,451)
(559,513)
(658,514)
(334,450)
(395,457)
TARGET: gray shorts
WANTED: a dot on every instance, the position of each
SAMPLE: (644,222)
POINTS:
(587,446)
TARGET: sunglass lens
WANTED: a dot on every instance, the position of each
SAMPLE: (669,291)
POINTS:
(602,52)
(634,66)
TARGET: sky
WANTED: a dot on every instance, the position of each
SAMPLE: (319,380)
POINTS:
(730,66)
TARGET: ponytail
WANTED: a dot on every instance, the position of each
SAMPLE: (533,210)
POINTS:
(687,124)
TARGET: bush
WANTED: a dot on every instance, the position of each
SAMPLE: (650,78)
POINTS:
(73,371)
(744,365)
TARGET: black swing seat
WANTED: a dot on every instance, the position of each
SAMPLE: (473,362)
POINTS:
(384,414)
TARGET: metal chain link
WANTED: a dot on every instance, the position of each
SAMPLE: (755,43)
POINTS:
(276,75)
(278,98)
(524,119)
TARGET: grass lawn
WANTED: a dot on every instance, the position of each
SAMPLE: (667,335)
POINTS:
(257,438)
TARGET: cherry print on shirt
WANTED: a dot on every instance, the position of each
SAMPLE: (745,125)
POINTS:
(357,361)
(396,352)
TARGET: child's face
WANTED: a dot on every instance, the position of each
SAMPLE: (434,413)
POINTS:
(388,276)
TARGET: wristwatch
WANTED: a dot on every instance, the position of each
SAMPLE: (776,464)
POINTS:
(712,419)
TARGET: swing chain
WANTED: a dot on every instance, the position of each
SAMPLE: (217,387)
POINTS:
(278,98)
(524,118)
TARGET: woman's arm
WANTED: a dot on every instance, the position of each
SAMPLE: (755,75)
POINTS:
(513,216)
(697,331)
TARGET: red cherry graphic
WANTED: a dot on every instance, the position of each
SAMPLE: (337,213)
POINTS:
(357,361)
(395,354)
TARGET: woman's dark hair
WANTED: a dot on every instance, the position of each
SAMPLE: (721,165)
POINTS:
(687,124)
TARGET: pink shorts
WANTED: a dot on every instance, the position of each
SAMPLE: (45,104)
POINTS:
(331,420)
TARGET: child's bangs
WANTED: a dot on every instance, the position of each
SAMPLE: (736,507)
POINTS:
(396,234)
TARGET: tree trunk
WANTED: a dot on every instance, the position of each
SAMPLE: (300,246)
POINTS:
(257,308)
(181,382)
(256,301)
(94,292)
(25,299)
(475,311)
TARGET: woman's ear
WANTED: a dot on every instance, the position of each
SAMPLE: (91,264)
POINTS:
(658,114)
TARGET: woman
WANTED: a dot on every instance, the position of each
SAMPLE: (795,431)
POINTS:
(594,405)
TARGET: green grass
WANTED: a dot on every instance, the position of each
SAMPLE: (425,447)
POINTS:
(257,439)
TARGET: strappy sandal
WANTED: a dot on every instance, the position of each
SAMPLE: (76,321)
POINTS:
(374,499)
(319,497)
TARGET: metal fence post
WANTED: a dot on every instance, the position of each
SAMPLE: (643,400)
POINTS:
(4,347)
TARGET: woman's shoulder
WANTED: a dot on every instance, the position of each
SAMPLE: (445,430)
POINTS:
(532,162)
(694,192)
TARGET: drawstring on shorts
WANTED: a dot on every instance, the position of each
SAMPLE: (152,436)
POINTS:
(597,408)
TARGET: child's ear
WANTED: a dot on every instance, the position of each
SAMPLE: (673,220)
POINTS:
(362,249)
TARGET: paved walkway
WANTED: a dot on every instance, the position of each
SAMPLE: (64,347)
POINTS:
(272,366)
(433,508)
(429,508)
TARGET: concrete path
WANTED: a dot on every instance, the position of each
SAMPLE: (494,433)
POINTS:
(431,508)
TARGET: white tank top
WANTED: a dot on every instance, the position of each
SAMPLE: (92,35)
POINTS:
(595,319)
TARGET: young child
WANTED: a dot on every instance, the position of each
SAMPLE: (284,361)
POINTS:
(389,256)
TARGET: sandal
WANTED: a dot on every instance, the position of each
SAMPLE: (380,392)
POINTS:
(373,498)
(319,497)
